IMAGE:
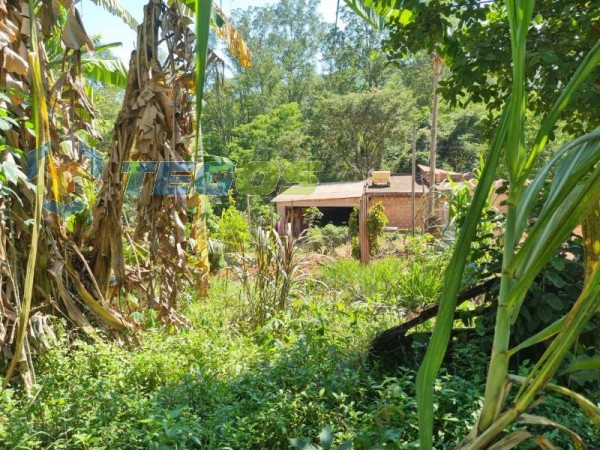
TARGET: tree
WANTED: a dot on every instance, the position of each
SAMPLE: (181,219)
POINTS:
(358,132)
(352,58)
(286,38)
(280,135)
(472,39)
(479,63)
(415,27)
(462,137)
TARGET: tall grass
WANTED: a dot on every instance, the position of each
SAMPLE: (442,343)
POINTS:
(408,283)
(268,276)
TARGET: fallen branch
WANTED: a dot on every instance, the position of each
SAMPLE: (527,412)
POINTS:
(394,339)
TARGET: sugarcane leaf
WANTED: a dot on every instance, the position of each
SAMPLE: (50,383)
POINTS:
(589,408)
(583,363)
(519,17)
(564,210)
(438,343)
(532,192)
(545,334)
(512,440)
(202,12)
(530,419)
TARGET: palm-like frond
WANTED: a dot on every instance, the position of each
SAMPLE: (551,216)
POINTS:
(118,10)
(110,72)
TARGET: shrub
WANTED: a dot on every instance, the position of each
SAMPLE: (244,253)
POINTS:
(312,217)
(211,387)
(325,240)
(233,230)
(264,216)
(268,277)
(376,222)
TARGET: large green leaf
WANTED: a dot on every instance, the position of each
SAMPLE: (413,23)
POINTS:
(452,284)
(203,13)
(576,190)
(532,192)
(110,72)
(368,12)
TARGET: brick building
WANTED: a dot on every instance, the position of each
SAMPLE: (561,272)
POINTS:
(404,200)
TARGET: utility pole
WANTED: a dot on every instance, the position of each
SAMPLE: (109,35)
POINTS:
(414,176)
(437,73)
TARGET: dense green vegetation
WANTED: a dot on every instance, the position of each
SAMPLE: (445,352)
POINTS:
(116,332)
(215,387)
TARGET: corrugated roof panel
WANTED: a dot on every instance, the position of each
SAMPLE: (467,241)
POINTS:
(323,191)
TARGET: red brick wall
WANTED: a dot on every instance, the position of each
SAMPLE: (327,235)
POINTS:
(399,210)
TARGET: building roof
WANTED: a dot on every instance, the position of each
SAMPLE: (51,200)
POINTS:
(322,191)
(399,184)
(443,175)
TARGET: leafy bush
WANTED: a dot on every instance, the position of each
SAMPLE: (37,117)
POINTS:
(268,277)
(233,230)
(376,222)
(325,240)
(312,217)
(264,216)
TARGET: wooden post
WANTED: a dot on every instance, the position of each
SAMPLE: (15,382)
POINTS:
(414,177)
(248,210)
(363,231)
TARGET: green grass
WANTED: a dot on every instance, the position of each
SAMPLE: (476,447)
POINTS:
(212,387)
(409,283)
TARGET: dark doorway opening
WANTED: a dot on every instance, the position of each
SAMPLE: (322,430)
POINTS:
(335,216)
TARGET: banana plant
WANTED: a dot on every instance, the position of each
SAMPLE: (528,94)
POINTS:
(571,195)
(42,138)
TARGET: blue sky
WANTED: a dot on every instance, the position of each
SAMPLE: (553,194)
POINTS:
(97,21)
